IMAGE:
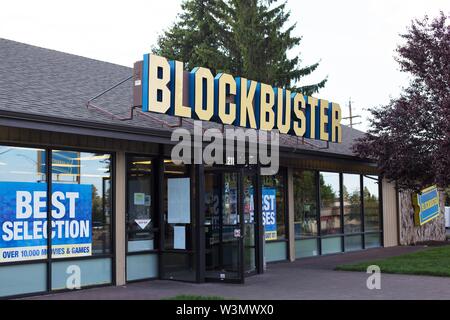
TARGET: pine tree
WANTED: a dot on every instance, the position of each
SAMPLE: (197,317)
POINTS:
(194,38)
(247,38)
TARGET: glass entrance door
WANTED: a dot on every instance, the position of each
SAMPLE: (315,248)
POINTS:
(177,255)
(224,226)
(250,224)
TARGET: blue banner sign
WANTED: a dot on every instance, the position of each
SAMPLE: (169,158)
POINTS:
(23,221)
(269,213)
(426,204)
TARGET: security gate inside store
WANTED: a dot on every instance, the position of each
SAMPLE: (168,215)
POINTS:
(231,224)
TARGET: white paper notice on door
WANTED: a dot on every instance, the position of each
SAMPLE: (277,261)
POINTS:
(139,199)
(179,237)
(179,200)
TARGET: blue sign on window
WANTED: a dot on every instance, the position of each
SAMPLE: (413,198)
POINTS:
(23,220)
(269,213)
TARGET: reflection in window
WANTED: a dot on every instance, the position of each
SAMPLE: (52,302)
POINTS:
(352,203)
(248,198)
(230,214)
(22,164)
(249,223)
(86,177)
(212,208)
(276,184)
(140,219)
(305,203)
(330,207)
(371,204)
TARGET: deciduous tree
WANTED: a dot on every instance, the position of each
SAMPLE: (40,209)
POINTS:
(410,136)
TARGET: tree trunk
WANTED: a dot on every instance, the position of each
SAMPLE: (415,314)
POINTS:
(412,234)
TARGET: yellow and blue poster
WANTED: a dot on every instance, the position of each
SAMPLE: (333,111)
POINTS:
(24,223)
(269,213)
(426,204)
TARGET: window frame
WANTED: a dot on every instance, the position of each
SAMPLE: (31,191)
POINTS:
(155,230)
(113,207)
(319,207)
(380,231)
(361,227)
(316,186)
(342,235)
(283,172)
(49,260)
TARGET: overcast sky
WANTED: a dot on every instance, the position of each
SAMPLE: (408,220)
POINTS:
(354,39)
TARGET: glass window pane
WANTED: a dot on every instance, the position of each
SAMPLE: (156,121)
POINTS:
(230,213)
(353,243)
(22,164)
(352,203)
(275,251)
(372,240)
(274,185)
(142,266)
(249,259)
(330,205)
(21,279)
(371,204)
(331,245)
(306,248)
(249,198)
(178,233)
(305,203)
(249,223)
(23,201)
(81,198)
(140,216)
(178,266)
(212,209)
(92,271)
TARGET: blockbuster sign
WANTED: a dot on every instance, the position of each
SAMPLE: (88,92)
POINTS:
(168,89)
(426,205)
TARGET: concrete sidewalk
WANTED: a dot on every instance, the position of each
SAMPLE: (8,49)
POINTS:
(311,278)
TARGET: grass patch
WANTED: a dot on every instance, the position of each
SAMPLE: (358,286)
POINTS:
(431,262)
(194,297)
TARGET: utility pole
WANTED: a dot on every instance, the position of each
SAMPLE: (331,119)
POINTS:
(350,111)
(351,116)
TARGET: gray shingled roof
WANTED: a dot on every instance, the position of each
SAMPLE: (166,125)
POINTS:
(45,82)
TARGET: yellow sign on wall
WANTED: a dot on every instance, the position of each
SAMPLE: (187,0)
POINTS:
(426,205)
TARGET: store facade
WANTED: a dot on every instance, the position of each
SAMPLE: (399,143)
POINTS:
(121,210)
